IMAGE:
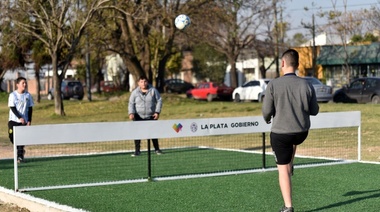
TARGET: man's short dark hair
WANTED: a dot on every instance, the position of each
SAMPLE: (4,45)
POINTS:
(19,79)
(291,57)
(143,78)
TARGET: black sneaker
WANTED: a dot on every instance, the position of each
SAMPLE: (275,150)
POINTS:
(136,154)
(159,152)
(287,209)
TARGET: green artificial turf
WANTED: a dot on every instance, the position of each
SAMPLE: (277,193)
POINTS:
(348,187)
(84,169)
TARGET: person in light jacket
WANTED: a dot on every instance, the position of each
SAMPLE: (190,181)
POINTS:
(145,103)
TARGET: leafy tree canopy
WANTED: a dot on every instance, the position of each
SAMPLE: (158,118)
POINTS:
(209,63)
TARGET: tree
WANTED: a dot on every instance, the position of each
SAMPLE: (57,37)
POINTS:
(208,63)
(368,37)
(97,54)
(39,58)
(95,45)
(297,39)
(143,34)
(13,49)
(146,39)
(338,25)
(230,26)
(272,39)
(173,66)
(59,25)
(373,17)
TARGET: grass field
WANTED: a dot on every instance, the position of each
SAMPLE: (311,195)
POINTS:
(349,187)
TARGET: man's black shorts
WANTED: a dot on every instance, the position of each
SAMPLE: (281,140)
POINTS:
(282,145)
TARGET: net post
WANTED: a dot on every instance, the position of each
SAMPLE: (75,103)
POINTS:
(15,161)
(149,162)
(359,144)
(264,165)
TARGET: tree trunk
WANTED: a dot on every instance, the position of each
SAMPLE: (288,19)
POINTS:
(233,73)
(263,72)
(2,79)
(134,67)
(38,85)
(58,102)
(161,73)
(146,63)
(125,84)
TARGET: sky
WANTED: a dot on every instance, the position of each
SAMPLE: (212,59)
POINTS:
(294,11)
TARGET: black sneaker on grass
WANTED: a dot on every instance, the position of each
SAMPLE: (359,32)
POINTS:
(136,154)
(287,209)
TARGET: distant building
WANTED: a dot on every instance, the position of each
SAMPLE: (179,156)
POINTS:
(251,62)
(338,65)
(324,39)
(305,67)
(248,70)
(46,78)
(341,64)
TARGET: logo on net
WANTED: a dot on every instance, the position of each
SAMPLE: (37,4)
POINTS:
(177,127)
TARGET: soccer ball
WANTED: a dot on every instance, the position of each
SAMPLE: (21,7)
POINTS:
(182,22)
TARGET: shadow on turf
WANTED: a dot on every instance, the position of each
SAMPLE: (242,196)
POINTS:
(6,164)
(376,194)
(352,193)
(258,148)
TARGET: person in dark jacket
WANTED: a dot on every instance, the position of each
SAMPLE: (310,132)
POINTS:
(289,102)
(145,103)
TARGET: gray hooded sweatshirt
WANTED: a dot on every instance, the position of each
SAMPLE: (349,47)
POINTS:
(145,105)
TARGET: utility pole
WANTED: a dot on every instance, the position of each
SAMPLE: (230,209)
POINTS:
(314,53)
(88,69)
(277,52)
(282,29)
(314,48)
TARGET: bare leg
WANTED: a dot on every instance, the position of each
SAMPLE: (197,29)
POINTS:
(285,173)
(284,176)
(291,162)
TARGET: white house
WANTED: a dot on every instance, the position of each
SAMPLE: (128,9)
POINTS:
(324,39)
(249,69)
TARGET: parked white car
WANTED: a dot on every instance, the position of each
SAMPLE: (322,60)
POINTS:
(252,91)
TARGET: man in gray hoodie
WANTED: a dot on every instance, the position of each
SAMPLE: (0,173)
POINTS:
(145,104)
(290,101)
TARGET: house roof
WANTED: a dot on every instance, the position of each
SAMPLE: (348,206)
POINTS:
(336,55)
